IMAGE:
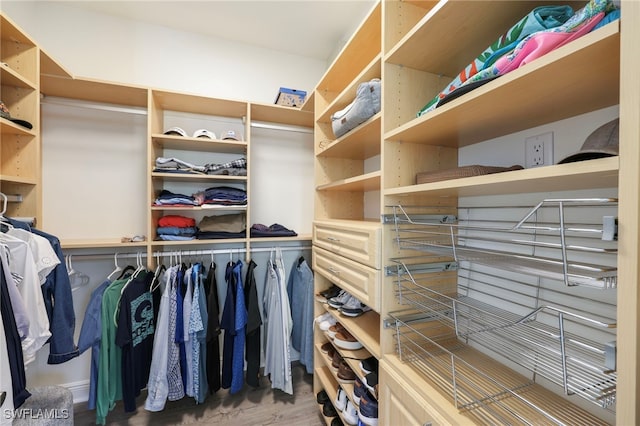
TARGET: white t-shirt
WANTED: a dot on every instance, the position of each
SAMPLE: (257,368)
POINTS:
(25,274)
(43,254)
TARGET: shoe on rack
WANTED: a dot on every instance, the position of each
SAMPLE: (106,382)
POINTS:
(322,317)
(327,323)
(334,329)
(345,340)
(353,308)
(371,381)
(341,399)
(345,373)
(336,422)
(369,365)
(332,291)
(327,348)
(350,414)
(328,410)
(322,397)
(368,412)
(358,390)
(336,360)
(339,300)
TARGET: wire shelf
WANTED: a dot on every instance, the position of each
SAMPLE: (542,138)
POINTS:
(481,283)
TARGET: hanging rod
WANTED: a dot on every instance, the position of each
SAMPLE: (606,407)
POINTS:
(54,100)
(299,129)
(98,256)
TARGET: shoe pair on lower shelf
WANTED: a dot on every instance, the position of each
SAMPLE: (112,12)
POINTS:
(344,404)
(348,305)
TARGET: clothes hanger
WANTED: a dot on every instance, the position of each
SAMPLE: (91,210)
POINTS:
(117,269)
(75,275)
(155,283)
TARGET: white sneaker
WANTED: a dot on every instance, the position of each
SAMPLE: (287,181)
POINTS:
(339,300)
(326,324)
(341,400)
(350,414)
(353,308)
(322,317)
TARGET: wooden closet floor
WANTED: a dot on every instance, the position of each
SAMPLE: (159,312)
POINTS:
(249,407)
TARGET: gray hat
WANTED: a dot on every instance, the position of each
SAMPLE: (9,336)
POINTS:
(602,142)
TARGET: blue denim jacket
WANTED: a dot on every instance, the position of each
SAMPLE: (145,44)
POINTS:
(58,302)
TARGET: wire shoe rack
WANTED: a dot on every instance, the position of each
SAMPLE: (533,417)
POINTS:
(523,290)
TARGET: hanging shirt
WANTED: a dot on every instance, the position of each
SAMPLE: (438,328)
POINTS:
(110,363)
(213,330)
(158,385)
(174,375)
(201,337)
(187,361)
(301,298)
(25,274)
(240,323)
(227,323)
(195,326)
(278,325)
(254,321)
(16,376)
(6,382)
(136,326)
(20,313)
(90,337)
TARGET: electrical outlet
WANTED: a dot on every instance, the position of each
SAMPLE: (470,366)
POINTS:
(538,150)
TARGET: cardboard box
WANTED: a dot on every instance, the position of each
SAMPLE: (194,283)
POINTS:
(290,97)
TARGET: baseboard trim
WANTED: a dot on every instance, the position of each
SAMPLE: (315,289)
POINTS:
(80,390)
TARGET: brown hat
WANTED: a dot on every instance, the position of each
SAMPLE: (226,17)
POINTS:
(602,142)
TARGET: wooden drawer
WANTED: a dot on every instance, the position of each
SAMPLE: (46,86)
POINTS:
(361,281)
(359,241)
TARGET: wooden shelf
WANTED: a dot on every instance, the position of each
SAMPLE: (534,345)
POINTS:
(199,144)
(9,77)
(308,104)
(268,240)
(198,178)
(281,114)
(107,243)
(199,208)
(366,182)
(371,71)
(195,104)
(10,128)
(363,46)
(359,144)
(365,328)
(516,101)
(18,179)
(600,173)
(87,89)
(199,242)
(477,24)
(50,68)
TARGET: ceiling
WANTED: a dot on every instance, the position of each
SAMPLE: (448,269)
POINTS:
(310,28)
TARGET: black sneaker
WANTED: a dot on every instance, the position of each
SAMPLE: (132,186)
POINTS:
(336,422)
(322,397)
(329,410)
(370,381)
(369,365)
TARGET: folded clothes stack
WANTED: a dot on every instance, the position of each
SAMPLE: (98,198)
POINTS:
(236,167)
(276,230)
(222,226)
(170,199)
(221,196)
(176,228)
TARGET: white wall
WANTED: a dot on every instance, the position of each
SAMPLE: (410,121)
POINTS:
(108,48)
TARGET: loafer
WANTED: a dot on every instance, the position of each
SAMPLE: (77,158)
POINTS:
(335,329)
(345,340)
(336,360)
(328,410)
(322,397)
(345,373)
